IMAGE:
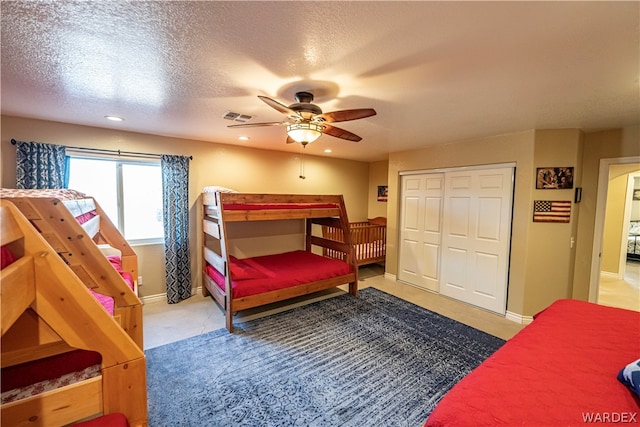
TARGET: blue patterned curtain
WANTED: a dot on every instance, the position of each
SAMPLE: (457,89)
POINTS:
(175,200)
(39,165)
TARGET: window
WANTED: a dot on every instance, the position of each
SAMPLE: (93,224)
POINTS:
(130,192)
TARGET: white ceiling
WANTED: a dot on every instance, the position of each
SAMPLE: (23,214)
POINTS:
(435,72)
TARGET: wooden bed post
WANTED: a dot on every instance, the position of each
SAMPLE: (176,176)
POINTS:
(351,256)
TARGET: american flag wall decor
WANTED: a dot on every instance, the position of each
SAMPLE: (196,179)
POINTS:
(551,210)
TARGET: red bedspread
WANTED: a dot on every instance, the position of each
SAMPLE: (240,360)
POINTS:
(251,276)
(558,371)
(265,206)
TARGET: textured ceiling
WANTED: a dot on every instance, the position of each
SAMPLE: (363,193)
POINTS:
(435,72)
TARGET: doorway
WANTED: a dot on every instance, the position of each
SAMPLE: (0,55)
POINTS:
(614,275)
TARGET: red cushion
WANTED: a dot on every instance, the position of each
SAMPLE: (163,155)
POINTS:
(85,217)
(106,301)
(116,261)
(48,368)
(110,420)
(283,271)
(7,257)
(241,270)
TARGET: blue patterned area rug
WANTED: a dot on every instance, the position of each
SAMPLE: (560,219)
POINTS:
(374,360)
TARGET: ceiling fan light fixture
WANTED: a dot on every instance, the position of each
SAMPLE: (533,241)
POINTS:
(304,133)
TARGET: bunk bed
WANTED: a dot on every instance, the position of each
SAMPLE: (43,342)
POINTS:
(76,227)
(568,367)
(369,240)
(238,284)
(64,357)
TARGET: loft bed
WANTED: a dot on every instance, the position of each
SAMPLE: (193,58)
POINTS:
(75,226)
(570,366)
(633,243)
(238,284)
(369,240)
(64,357)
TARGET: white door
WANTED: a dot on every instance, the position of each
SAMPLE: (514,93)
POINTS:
(476,236)
(421,229)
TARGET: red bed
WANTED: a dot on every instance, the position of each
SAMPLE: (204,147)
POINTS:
(252,276)
(558,371)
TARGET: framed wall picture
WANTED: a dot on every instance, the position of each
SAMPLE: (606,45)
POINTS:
(554,178)
(382,193)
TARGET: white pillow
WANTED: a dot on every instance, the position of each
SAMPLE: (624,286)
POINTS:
(218,189)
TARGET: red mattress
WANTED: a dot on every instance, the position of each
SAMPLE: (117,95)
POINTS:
(558,371)
(48,368)
(251,276)
(266,206)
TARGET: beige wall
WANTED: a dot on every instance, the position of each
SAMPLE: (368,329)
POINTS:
(550,253)
(543,265)
(244,169)
(378,175)
(609,144)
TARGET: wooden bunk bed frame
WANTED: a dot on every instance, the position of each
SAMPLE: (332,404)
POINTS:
(48,310)
(319,210)
(77,245)
(369,239)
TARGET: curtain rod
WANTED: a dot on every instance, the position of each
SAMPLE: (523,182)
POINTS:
(101,150)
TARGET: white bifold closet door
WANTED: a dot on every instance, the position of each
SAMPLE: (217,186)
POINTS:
(455,233)
(421,230)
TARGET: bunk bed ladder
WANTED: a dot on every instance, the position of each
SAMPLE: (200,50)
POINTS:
(80,252)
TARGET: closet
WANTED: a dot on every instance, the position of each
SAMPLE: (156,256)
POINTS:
(455,232)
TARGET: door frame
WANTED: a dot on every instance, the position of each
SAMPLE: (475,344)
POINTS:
(622,266)
(598,229)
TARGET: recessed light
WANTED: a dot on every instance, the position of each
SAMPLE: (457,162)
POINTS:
(244,138)
(328,150)
(114,118)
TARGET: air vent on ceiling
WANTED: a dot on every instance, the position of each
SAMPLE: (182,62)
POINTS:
(236,117)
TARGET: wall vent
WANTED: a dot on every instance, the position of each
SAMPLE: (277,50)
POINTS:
(236,117)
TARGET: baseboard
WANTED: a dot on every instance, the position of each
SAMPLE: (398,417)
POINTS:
(518,318)
(163,297)
(610,275)
(390,276)
(154,298)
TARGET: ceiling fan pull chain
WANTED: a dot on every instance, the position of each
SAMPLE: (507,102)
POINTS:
(301,176)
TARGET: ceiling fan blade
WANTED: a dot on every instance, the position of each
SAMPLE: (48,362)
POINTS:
(290,140)
(345,115)
(340,133)
(278,106)
(253,125)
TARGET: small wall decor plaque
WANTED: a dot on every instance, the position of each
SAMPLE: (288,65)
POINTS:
(554,178)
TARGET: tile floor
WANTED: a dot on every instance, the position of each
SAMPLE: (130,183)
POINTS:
(165,323)
(622,293)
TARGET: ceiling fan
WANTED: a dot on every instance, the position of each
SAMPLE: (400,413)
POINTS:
(306,121)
